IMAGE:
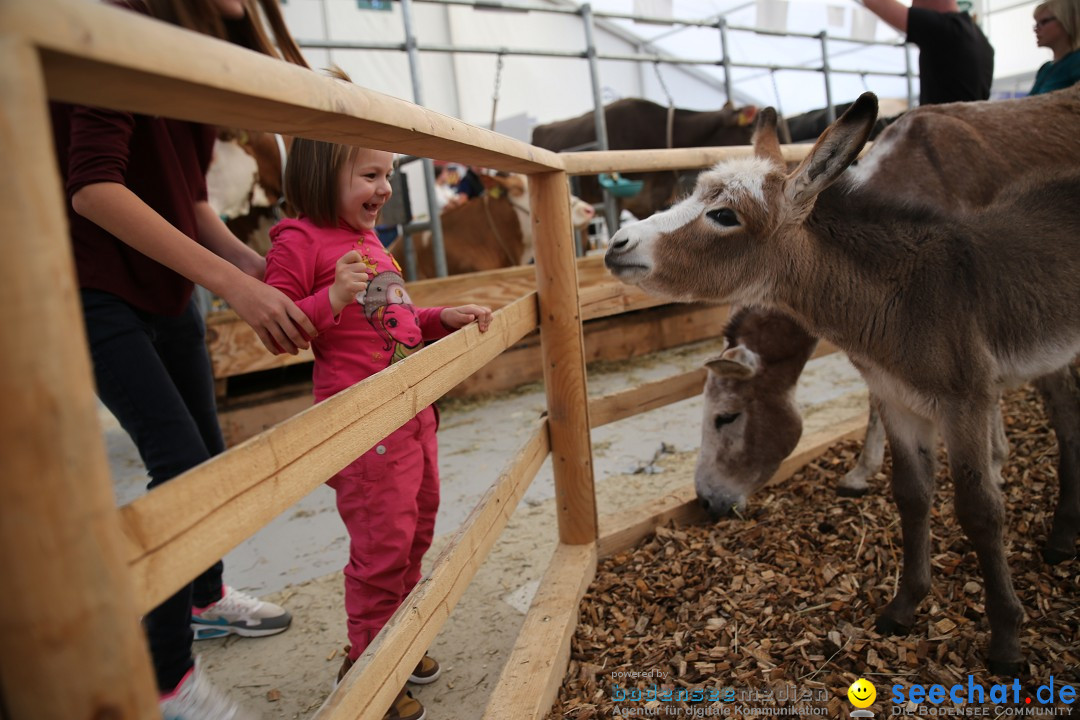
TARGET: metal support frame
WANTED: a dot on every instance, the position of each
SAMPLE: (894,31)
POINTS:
(437,247)
(412,47)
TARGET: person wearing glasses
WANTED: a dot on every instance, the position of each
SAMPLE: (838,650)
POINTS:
(956,61)
(1056,27)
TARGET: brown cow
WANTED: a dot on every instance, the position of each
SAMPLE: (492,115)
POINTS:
(488,232)
(636,124)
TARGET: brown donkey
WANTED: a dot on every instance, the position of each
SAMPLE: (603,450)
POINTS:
(954,156)
(939,313)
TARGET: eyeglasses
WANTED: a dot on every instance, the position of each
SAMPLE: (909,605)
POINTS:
(1044,21)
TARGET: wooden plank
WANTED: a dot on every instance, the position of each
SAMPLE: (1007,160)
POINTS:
(381,671)
(236,350)
(178,529)
(621,337)
(98,55)
(591,163)
(563,349)
(532,675)
(622,530)
(627,403)
(71,643)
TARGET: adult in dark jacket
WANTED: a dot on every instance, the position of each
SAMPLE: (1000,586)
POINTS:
(143,233)
(956,61)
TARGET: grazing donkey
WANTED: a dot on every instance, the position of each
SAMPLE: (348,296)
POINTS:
(938,312)
(954,156)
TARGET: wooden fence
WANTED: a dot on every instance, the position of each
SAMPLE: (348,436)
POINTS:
(78,572)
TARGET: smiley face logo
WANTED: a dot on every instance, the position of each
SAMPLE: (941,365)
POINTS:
(862,693)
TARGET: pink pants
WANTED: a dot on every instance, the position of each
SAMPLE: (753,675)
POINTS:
(388,499)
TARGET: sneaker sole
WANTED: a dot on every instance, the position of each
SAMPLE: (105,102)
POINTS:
(415,680)
(209,632)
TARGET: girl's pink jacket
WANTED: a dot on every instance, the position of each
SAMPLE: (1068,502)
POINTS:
(367,336)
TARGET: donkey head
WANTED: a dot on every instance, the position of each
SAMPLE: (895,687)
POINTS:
(738,236)
(751,422)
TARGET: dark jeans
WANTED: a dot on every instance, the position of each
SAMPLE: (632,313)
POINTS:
(153,373)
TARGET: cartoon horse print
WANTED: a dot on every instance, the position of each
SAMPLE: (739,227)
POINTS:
(390,311)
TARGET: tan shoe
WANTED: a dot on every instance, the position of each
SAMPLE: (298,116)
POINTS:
(427,671)
(405,707)
(346,664)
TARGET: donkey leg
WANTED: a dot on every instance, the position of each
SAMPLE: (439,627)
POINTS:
(911,439)
(981,513)
(854,483)
(1061,398)
(999,446)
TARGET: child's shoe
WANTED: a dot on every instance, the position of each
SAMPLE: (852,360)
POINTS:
(427,671)
(195,698)
(239,613)
(405,706)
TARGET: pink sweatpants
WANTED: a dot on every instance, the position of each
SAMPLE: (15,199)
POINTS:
(388,499)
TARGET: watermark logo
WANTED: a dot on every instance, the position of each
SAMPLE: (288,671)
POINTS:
(862,694)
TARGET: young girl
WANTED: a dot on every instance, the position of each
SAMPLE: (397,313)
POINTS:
(142,233)
(330,261)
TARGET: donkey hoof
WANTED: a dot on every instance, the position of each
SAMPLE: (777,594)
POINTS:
(1054,556)
(1006,668)
(851,491)
(887,626)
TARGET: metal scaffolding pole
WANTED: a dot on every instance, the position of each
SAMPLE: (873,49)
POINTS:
(611,207)
(429,168)
(830,110)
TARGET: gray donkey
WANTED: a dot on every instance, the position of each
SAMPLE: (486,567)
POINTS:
(938,312)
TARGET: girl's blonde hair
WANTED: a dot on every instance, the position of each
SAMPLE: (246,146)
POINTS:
(203,16)
(1067,13)
(312,172)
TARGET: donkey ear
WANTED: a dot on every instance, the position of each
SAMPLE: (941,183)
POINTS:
(737,363)
(837,148)
(765,141)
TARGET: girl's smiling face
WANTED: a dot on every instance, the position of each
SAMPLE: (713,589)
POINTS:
(364,187)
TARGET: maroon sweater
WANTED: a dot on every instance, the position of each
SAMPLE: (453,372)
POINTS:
(162,161)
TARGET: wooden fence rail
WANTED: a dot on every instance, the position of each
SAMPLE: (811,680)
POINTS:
(80,571)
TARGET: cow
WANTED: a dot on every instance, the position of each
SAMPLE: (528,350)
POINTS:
(487,232)
(243,184)
(939,311)
(637,124)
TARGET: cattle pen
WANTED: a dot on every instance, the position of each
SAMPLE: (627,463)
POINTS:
(79,572)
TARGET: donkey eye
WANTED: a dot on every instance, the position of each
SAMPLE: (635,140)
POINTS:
(723,216)
(721,420)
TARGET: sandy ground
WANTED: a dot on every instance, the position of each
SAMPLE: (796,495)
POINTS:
(296,560)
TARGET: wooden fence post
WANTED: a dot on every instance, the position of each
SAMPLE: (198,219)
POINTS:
(563,354)
(71,647)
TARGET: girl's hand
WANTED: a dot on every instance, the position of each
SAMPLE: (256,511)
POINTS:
(459,317)
(350,279)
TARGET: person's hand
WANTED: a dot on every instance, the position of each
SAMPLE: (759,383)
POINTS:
(281,326)
(350,279)
(459,317)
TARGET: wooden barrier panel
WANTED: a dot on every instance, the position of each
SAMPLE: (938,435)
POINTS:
(105,56)
(178,529)
(532,675)
(381,671)
(70,641)
(564,358)
(236,350)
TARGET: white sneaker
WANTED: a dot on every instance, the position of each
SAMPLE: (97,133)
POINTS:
(241,614)
(195,698)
